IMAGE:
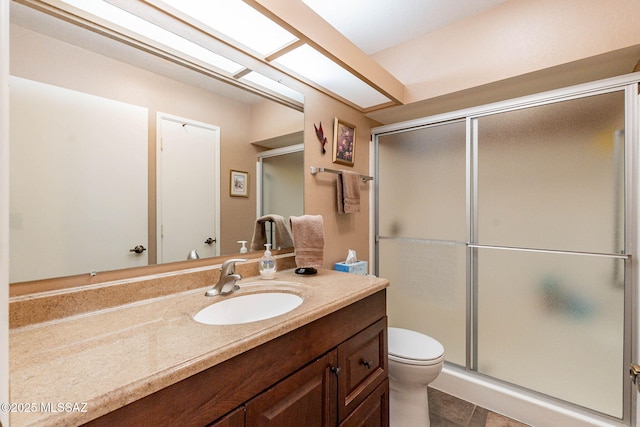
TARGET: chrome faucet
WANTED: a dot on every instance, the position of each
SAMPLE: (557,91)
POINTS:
(228,278)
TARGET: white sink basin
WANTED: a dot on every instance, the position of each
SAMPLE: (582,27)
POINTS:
(248,308)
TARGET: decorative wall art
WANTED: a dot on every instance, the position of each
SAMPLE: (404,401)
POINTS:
(321,137)
(239,184)
(344,142)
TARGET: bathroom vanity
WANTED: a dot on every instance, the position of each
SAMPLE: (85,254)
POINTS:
(149,363)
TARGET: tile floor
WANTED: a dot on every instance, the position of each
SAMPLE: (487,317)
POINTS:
(449,411)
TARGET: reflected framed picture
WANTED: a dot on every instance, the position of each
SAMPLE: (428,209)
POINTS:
(344,142)
(239,186)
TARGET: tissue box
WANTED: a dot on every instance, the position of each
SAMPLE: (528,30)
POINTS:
(360,267)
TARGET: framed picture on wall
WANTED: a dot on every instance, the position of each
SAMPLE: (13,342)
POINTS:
(344,142)
(239,186)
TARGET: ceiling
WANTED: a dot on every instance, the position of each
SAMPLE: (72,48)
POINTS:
(383,24)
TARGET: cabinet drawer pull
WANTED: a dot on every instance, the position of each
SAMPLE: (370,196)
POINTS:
(335,370)
(366,363)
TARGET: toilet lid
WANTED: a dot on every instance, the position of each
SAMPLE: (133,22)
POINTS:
(413,345)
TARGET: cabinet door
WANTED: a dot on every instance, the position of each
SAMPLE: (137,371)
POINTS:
(306,398)
(373,412)
(363,366)
(233,419)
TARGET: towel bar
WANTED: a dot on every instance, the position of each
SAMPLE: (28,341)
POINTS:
(315,170)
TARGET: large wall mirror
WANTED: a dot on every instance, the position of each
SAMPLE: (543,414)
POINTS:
(112,145)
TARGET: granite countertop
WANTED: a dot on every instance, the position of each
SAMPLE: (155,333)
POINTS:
(88,365)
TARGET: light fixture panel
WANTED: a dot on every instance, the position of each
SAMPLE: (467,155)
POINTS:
(151,31)
(274,86)
(314,66)
(238,21)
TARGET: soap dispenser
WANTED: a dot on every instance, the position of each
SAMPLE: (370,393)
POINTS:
(267,264)
(243,249)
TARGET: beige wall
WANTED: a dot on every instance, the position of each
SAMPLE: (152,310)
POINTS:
(271,120)
(342,231)
(520,47)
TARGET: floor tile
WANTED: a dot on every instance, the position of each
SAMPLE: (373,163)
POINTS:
(450,407)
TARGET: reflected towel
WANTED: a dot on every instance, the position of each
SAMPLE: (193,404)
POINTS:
(308,240)
(282,234)
(348,190)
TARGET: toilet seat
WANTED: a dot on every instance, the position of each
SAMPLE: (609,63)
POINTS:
(413,348)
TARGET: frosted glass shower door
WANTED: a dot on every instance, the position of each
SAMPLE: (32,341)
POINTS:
(549,276)
(422,231)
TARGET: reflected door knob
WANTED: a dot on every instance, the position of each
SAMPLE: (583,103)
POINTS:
(138,249)
(210,241)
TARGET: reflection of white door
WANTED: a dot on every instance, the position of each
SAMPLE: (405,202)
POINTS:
(78,182)
(188,196)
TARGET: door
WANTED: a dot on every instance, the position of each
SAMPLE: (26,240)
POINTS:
(546,197)
(78,182)
(306,398)
(188,195)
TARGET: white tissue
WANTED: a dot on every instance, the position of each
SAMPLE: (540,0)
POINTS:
(351,257)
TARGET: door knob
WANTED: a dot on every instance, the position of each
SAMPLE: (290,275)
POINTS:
(210,241)
(634,372)
(138,249)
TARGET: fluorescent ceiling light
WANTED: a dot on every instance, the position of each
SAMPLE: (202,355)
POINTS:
(274,86)
(314,66)
(239,21)
(153,32)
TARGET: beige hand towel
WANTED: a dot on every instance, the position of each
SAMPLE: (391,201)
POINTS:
(348,190)
(308,240)
(282,234)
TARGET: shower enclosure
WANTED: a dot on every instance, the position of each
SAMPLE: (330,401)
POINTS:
(506,232)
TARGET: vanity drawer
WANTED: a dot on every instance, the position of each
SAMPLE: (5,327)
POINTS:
(363,363)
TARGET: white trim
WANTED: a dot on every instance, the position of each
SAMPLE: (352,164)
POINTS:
(634,179)
(258,188)
(527,408)
(4,208)
(280,151)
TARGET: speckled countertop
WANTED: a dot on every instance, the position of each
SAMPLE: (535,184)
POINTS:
(100,361)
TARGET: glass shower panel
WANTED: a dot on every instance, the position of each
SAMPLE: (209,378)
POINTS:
(553,323)
(552,176)
(428,291)
(283,184)
(422,183)
(422,231)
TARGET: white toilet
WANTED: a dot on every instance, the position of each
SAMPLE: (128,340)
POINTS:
(415,360)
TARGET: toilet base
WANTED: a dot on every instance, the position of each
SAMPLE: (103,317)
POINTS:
(408,406)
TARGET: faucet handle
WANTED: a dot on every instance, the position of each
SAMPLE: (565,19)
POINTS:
(229,265)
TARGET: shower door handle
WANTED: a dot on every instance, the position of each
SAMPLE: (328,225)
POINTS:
(634,372)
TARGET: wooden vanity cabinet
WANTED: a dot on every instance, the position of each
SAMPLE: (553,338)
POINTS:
(350,379)
(363,366)
(234,419)
(306,398)
(331,372)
